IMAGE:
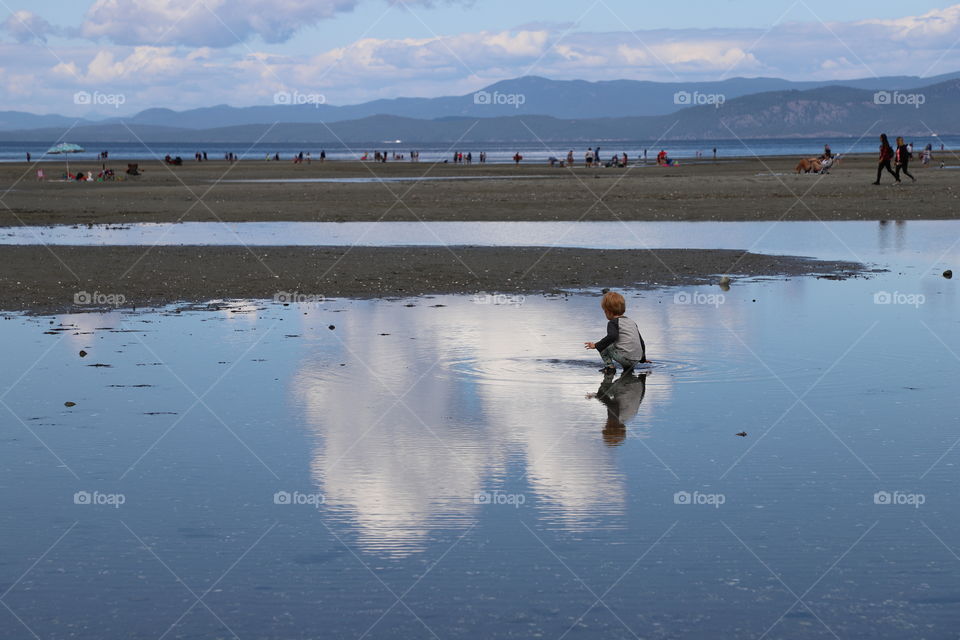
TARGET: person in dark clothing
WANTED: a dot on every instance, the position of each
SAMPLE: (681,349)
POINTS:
(886,156)
(903,156)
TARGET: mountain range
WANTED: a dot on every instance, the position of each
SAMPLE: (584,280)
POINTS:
(551,111)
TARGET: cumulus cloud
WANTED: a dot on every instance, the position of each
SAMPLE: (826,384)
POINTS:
(26,26)
(933,26)
(214,23)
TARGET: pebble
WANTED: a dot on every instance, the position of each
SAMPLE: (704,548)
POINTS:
(948,274)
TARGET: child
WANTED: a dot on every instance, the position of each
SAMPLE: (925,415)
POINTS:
(623,342)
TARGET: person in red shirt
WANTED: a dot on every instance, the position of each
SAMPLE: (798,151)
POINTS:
(886,156)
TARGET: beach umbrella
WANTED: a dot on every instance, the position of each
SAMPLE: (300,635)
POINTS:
(65,148)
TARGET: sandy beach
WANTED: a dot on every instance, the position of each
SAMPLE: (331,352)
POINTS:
(736,189)
(41,279)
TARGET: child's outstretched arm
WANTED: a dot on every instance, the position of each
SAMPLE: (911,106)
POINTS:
(613,334)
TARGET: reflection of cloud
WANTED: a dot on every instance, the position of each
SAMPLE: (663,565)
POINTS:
(412,471)
(500,385)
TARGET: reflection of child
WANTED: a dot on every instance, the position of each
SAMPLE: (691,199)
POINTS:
(623,342)
(622,399)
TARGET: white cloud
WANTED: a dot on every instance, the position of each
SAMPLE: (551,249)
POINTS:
(214,23)
(26,26)
(929,28)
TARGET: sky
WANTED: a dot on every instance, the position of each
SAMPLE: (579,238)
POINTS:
(130,55)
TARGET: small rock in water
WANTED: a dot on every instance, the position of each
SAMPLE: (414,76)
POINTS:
(742,434)
(331,327)
(83,354)
(948,274)
(725,283)
(69,404)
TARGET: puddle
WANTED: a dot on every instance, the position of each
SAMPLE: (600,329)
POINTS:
(850,240)
(471,457)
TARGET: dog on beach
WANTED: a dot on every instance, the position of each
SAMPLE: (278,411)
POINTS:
(806,165)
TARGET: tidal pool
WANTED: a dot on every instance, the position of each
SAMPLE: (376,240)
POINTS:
(441,467)
(847,240)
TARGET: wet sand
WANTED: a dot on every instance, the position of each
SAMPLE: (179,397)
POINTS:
(46,280)
(744,189)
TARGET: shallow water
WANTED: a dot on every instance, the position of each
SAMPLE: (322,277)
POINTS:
(849,240)
(438,467)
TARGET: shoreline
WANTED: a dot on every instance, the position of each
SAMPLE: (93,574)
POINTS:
(37,280)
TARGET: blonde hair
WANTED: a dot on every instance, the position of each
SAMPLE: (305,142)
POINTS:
(613,303)
(899,141)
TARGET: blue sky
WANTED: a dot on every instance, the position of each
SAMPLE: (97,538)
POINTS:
(187,53)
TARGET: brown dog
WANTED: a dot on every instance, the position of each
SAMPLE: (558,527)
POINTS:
(806,165)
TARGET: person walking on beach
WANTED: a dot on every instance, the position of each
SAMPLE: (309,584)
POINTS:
(588,158)
(596,158)
(903,156)
(886,156)
(28,156)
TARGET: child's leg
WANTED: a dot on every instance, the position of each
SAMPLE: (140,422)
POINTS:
(611,354)
(607,356)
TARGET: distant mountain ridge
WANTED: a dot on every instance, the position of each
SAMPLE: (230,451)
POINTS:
(529,95)
(835,111)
